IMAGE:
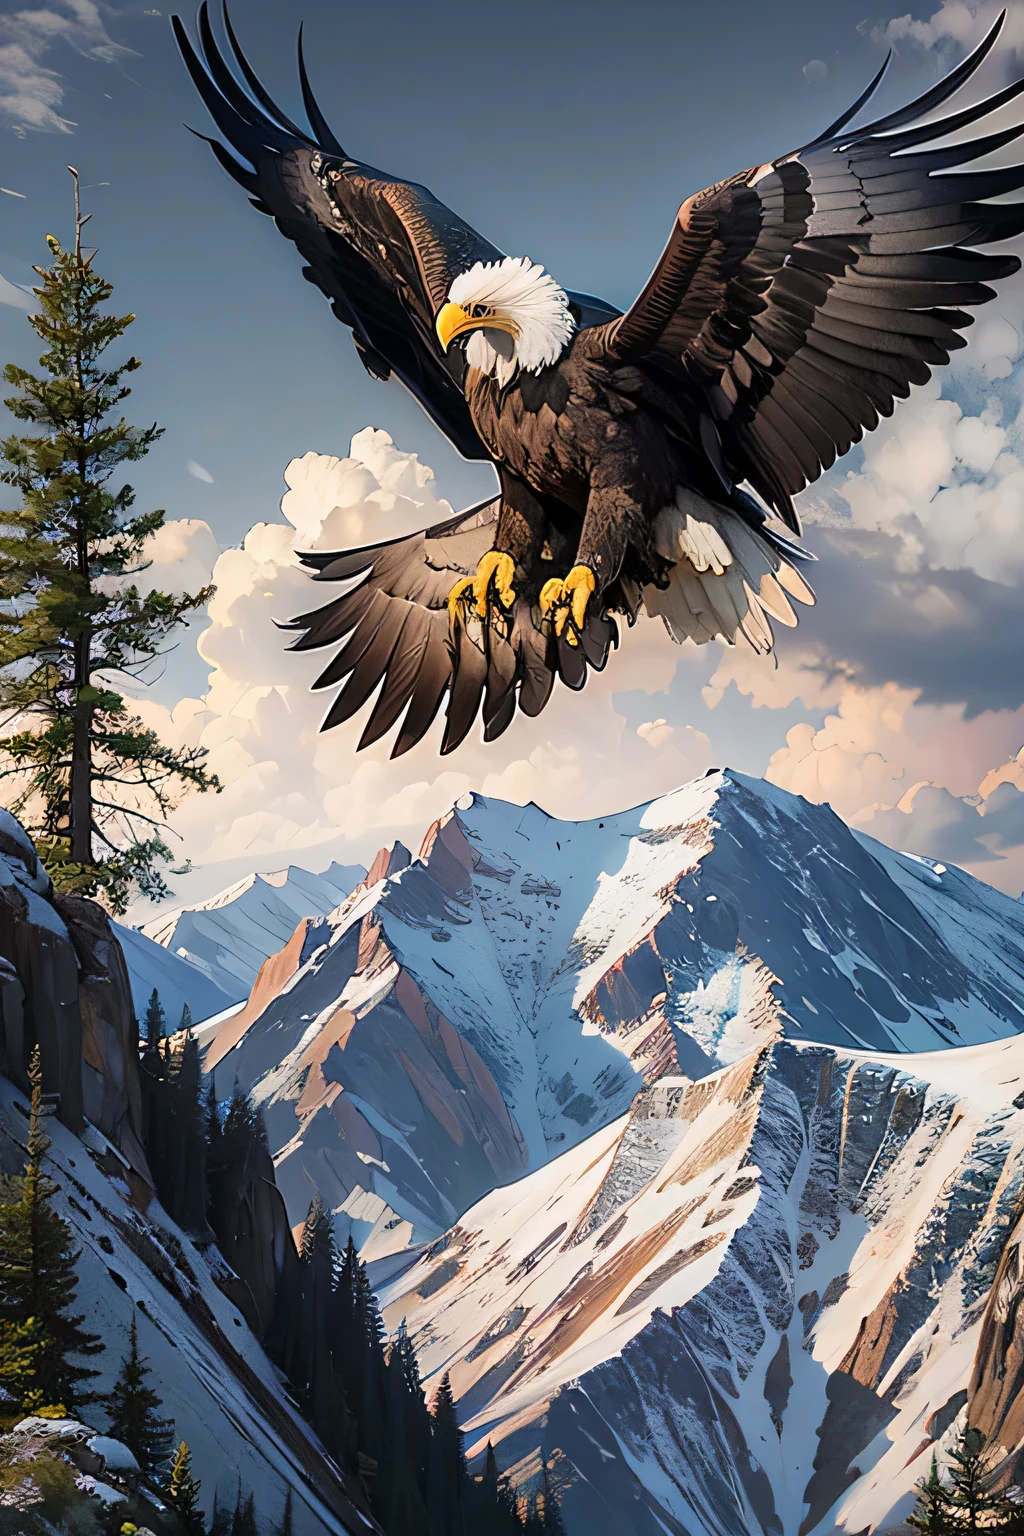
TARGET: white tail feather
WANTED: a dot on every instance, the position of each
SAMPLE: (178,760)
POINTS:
(726,580)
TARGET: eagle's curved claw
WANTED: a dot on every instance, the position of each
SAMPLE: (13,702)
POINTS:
(473,591)
(562,600)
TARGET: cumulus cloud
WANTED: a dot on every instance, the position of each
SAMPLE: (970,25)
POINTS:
(14,296)
(31,92)
(815,72)
(960,24)
(289,790)
(947,484)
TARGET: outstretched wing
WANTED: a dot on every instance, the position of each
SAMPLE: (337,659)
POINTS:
(395,629)
(382,250)
(798,300)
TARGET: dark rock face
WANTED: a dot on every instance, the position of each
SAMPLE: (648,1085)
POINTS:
(111,1093)
(64,987)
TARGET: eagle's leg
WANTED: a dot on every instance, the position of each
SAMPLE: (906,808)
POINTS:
(613,518)
(518,536)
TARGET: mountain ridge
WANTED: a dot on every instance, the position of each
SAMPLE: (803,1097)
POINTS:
(469,1012)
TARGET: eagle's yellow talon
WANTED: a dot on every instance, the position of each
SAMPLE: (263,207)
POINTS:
(459,594)
(550,592)
(500,567)
(562,600)
(470,594)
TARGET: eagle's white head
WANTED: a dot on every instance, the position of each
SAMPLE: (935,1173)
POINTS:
(516,311)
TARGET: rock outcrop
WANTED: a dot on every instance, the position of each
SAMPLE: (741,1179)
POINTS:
(64,987)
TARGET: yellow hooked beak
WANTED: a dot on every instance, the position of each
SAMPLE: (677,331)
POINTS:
(454,321)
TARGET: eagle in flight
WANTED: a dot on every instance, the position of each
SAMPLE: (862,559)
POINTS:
(647,461)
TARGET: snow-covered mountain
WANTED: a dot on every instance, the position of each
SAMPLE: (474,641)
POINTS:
(689,1141)
(471,1013)
(176,979)
(229,935)
(755,1303)
(217,1385)
(64,987)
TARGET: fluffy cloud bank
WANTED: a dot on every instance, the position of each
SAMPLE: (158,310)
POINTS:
(912,767)
(30,91)
(288,789)
(959,24)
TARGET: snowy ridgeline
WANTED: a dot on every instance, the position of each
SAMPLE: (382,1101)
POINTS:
(207,956)
(687,1140)
(754,1303)
(480,1009)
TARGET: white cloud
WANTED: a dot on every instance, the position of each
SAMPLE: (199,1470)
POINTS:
(30,91)
(947,484)
(959,23)
(198,472)
(14,296)
(815,71)
(655,732)
(179,557)
(902,769)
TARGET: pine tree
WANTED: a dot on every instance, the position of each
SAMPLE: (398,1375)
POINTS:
(133,1409)
(90,781)
(38,1278)
(175,1129)
(155,1024)
(398,1494)
(447,1480)
(244,1522)
(285,1527)
(19,1350)
(932,1514)
(489,1504)
(358,1334)
(220,1519)
(182,1493)
(324,1386)
(186,1018)
(552,1514)
(972,1506)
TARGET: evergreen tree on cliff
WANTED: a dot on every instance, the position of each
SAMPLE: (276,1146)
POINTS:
(155,1022)
(973,1507)
(38,1278)
(447,1481)
(285,1527)
(182,1493)
(134,1411)
(244,1520)
(490,1505)
(175,1130)
(933,1515)
(90,782)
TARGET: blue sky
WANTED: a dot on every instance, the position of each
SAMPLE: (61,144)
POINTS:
(566,131)
(569,132)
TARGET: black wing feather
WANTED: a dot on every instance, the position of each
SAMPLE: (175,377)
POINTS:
(382,250)
(805,297)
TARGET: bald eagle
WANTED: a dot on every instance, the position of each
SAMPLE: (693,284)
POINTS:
(647,461)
